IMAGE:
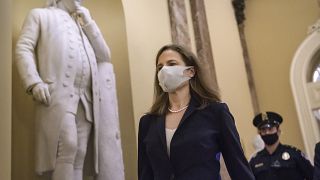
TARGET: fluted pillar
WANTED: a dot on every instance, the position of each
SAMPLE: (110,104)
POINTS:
(202,39)
(179,23)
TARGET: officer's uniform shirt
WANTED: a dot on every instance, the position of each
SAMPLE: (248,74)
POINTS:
(286,163)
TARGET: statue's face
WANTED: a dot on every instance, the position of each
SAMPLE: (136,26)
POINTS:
(72,5)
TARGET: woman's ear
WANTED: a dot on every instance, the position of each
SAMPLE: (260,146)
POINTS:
(190,72)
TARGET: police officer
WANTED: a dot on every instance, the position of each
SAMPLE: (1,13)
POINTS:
(277,161)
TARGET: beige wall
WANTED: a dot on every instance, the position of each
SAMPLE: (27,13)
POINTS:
(5,89)
(148,29)
(230,68)
(274,30)
(110,18)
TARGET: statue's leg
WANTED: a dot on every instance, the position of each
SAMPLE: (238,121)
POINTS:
(83,131)
(67,149)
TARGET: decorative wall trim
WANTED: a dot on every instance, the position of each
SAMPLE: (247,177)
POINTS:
(314,27)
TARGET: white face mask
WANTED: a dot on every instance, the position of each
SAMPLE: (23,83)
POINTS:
(171,77)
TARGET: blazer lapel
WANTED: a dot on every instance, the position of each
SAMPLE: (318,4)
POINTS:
(161,123)
(191,108)
(161,131)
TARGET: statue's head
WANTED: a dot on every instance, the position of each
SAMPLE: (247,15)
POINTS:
(69,5)
(51,3)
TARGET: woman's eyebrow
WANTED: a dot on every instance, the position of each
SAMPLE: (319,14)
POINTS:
(171,60)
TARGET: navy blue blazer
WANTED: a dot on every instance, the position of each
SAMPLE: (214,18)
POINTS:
(316,175)
(195,147)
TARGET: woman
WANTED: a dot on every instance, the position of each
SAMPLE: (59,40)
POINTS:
(187,128)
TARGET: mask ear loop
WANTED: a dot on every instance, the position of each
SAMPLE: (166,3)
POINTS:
(190,68)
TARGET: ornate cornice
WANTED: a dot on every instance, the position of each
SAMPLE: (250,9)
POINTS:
(314,27)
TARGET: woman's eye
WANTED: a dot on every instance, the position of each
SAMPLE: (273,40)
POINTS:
(172,64)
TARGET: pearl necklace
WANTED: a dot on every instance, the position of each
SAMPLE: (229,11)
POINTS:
(179,110)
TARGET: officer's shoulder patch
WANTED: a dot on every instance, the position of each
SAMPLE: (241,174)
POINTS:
(292,148)
(297,152)
(289,146)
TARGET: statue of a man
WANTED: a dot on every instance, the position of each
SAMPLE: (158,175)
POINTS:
(58,55)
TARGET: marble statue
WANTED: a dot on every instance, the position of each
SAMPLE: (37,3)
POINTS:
(64,64)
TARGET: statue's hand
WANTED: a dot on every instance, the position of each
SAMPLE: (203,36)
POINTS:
(41,93)
(84,14)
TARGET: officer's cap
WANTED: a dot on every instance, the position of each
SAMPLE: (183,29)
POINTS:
(267,119)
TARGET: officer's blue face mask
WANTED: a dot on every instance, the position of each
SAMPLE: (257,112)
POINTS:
(270,139)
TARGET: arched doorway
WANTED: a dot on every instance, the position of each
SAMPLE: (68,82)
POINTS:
(305,84)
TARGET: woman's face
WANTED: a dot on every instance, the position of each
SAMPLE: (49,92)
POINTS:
(169,58)
(170,79)
(72,5)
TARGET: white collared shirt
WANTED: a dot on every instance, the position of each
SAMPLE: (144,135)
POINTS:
(169,135)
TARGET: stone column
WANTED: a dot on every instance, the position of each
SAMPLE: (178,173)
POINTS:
(179,23)
(202,38)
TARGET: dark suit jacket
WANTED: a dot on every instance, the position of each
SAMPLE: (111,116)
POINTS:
(195,147)
(316,173)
